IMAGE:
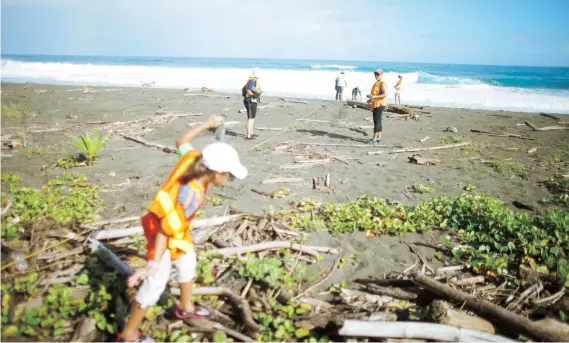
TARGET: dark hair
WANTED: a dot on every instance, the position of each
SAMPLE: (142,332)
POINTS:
(197,170)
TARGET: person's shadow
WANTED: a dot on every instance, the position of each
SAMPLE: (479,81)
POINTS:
(331,135)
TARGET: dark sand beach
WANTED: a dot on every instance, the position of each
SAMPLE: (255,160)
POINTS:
(130,173)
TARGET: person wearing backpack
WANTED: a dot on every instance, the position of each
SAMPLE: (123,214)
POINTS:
(250,101)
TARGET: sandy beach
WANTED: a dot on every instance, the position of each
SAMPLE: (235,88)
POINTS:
(309,141)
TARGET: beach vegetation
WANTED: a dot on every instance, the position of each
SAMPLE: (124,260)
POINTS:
(508,167)
(558,186)
(420,188)
(64,199)
(281,193)
(486,235)
(450,140)
(15,111)
(470,188)
(90,145)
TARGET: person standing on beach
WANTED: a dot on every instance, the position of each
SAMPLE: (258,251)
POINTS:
(377,101)
(398,90)
(340,85)
(357,94)
(250,102)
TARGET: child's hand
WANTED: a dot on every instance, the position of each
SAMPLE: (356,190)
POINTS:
(142,274)
(369,96)
(215,121)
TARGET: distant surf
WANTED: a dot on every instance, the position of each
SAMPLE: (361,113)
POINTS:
(524,89)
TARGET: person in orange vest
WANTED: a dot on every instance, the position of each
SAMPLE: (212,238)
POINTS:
(167,226)
(378,102)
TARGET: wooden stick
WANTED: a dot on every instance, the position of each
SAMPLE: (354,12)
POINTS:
(546,128)
(498,314)
(390,292)
(363,132)
(393,157)
(550,116)
(502,134)
(531,151)
(322,121)
(470,281)
(334,267)
(432,148)
(499,115)
(375,152)
(295,101)
(327,182)
(150,144)
(418,330)
(284,180)
(269,128)
(311,250)
(349,145)
(261,193)
(424,139)
(209,95)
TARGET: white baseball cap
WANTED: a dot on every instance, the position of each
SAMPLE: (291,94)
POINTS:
(255,71)
(222,157)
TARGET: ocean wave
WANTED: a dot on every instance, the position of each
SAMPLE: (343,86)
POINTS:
(418,88)
(331,66)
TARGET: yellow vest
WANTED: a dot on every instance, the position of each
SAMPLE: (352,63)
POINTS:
(375,91)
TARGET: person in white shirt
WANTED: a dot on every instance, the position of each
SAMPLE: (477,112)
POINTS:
(398,90)
(341,84)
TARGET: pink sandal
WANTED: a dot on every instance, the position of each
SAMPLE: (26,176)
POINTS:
(199,313)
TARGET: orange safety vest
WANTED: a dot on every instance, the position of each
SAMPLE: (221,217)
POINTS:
(376,90)
(166,213)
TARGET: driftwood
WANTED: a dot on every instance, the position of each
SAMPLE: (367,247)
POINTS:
(196,224)
(332,269)
(546,128)
(502,134)
(295,101)
(379,152)
(350,145)
(399,109)
(532,150)
(261,193)
(390,291)
(409,330)
(424,139)
(470,281)
(358,104)
(269,128)
(322,121)
(164,148)
(550,116)
(311,250)
(209,95)
(416,159)
(284,180)
(496,313)
(523,206)
(235,299)
(443,313)
(363,132)
(449,146)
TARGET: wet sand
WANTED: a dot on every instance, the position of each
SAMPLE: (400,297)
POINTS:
(131,172)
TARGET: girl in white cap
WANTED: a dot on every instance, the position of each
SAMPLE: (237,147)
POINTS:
(167,226)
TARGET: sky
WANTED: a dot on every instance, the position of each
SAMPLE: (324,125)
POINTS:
(502,32)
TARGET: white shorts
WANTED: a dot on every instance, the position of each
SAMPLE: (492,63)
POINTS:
(154,285)
(397,91)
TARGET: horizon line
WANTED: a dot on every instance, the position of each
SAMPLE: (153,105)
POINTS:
(293,59)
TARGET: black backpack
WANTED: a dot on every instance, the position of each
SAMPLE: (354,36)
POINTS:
(244,90)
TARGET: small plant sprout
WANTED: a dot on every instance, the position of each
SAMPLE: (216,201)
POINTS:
(90,145)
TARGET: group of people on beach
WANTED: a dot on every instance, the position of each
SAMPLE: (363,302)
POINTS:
(168,222)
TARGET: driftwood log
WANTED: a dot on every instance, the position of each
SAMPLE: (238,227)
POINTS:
(502,134)
(546,128)
(310,250)
(294,101)
(449,146)
(162,147)
(494,312)
(443,313)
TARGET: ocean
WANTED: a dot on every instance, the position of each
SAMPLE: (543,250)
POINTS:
(513,88)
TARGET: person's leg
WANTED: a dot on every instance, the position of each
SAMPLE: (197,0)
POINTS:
(378,112)
(186,267)
(337,92)
(248,124)
(251,120)
(148,295)
(341,93)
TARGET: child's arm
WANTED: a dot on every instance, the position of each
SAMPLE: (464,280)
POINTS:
(161,244)
(189,136)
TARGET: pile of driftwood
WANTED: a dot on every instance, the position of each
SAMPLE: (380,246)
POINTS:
(446,304)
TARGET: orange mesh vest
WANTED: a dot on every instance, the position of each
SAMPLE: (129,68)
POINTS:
(376,90)
(167,213)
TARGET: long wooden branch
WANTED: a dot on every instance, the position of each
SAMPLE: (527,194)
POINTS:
(502,134)
(431,148)
(295,101)
(546,128)
(164,148)
(408,330)
(349,145)
(496,313)
(311,250)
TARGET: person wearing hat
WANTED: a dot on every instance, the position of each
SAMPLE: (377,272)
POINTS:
(377,101)
(250,101)
(357,94)
(398,90)
(167,226)
(340,85)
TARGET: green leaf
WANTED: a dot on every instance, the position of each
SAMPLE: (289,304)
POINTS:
(543,270)
(59,331)
(562,315)
(82,279)
(219,336)
(184,338)
(301,333)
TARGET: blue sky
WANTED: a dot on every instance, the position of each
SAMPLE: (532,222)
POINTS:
(511,32)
